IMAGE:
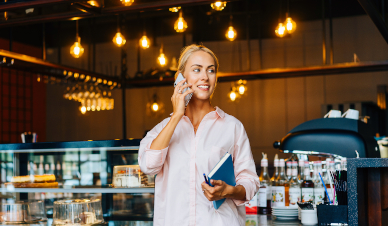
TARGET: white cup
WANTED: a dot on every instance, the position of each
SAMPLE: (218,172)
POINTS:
(309,217)
(351,113)
(333,114)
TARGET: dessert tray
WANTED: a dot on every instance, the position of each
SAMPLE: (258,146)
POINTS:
(78,212)
(22,212)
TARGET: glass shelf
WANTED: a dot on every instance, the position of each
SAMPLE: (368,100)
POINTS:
(81,190)
(98,145)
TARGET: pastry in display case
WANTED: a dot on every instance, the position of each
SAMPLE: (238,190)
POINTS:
(77,212)
(22,212)
(127,176)
(33,181)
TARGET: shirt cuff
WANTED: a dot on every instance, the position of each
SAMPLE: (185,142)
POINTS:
(248,194)
(155,158)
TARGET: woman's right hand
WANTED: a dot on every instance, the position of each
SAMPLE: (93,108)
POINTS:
(178,98)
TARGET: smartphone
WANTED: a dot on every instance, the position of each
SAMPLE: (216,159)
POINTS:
(188,96)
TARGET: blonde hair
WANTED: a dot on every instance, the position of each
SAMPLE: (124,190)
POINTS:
(188,51)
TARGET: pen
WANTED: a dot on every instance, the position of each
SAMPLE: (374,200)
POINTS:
(207,182)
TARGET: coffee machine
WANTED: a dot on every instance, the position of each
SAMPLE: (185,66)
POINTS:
(331,137)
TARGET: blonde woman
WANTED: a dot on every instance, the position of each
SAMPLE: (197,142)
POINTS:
(189,143)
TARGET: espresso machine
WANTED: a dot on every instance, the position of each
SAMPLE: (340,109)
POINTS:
(331,137)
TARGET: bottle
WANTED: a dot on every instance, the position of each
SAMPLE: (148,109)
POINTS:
(276,172)
(301,171)
(344,165)
(307,186)
(294,191)
(288,164)
(265,188)
(319,190)
(280,190)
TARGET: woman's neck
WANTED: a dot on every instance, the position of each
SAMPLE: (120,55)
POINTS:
(197,109)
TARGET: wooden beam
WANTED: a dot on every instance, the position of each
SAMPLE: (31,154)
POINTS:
(335,69)
(23,4)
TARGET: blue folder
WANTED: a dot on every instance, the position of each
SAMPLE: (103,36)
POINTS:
(224,171)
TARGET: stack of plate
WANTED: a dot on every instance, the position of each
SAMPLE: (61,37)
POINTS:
(285,213)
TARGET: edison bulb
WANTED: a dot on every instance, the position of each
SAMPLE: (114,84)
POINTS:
(232,95)
(280,30)
(218,6)
(290,25)
(241,89)
(175,9)
(76,50)
(155,107)
(83,109)
(180,24)
(119,39)
(127,2)
(162,60)
(144,42)
(231,33)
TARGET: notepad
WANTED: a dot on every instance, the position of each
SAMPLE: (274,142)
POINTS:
(224,171)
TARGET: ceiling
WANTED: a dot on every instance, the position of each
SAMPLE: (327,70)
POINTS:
(251,18)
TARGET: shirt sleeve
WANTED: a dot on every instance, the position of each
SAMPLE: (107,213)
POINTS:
(151,161)
(244,167)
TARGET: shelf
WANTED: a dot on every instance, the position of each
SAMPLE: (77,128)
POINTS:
(80,190)
(73,146)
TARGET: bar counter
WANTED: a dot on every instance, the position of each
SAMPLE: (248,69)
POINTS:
(251,220)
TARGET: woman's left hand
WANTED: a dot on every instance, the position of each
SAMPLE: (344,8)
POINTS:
(219,191)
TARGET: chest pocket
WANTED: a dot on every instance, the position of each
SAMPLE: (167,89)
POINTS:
(215,154)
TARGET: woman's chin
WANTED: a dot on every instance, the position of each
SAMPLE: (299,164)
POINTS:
(202,97)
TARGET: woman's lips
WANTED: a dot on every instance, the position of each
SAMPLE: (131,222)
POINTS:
(204,88)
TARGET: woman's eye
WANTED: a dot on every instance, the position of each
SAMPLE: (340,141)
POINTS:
(196,70)
(211,71)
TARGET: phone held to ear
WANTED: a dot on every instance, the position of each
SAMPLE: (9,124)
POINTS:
(188,96)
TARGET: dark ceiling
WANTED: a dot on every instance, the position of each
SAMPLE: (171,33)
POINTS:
(251,18)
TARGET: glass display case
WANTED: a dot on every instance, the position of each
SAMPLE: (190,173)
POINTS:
(81,170)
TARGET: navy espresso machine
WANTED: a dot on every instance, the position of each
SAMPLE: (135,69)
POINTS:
(332,137)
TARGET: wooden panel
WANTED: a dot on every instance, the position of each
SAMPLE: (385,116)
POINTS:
(374,197)
(384,188)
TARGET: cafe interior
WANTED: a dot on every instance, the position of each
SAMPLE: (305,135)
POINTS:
(73,72)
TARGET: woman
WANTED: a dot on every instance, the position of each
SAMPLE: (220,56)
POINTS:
(188,144)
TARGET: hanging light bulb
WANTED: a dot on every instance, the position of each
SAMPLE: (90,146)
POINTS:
(127,2)
(233,95)
(144,42)
(280,30)
(155,107)
(231,33)
(175,9)
(162,60)
(119,39)
(83,109)
(180,24)
(241,88)
(290,25)
(218,6)
(76,50)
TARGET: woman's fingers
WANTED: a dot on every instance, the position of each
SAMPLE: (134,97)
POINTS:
(185,86)
(188,91)
(178,86)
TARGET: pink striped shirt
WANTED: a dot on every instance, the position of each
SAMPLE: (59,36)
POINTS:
(179,199)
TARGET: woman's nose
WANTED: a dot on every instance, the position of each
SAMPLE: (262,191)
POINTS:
(204,76)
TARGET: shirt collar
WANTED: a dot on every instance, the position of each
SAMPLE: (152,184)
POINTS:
(218,110)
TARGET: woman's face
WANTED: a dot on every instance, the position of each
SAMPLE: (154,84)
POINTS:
(200,72)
